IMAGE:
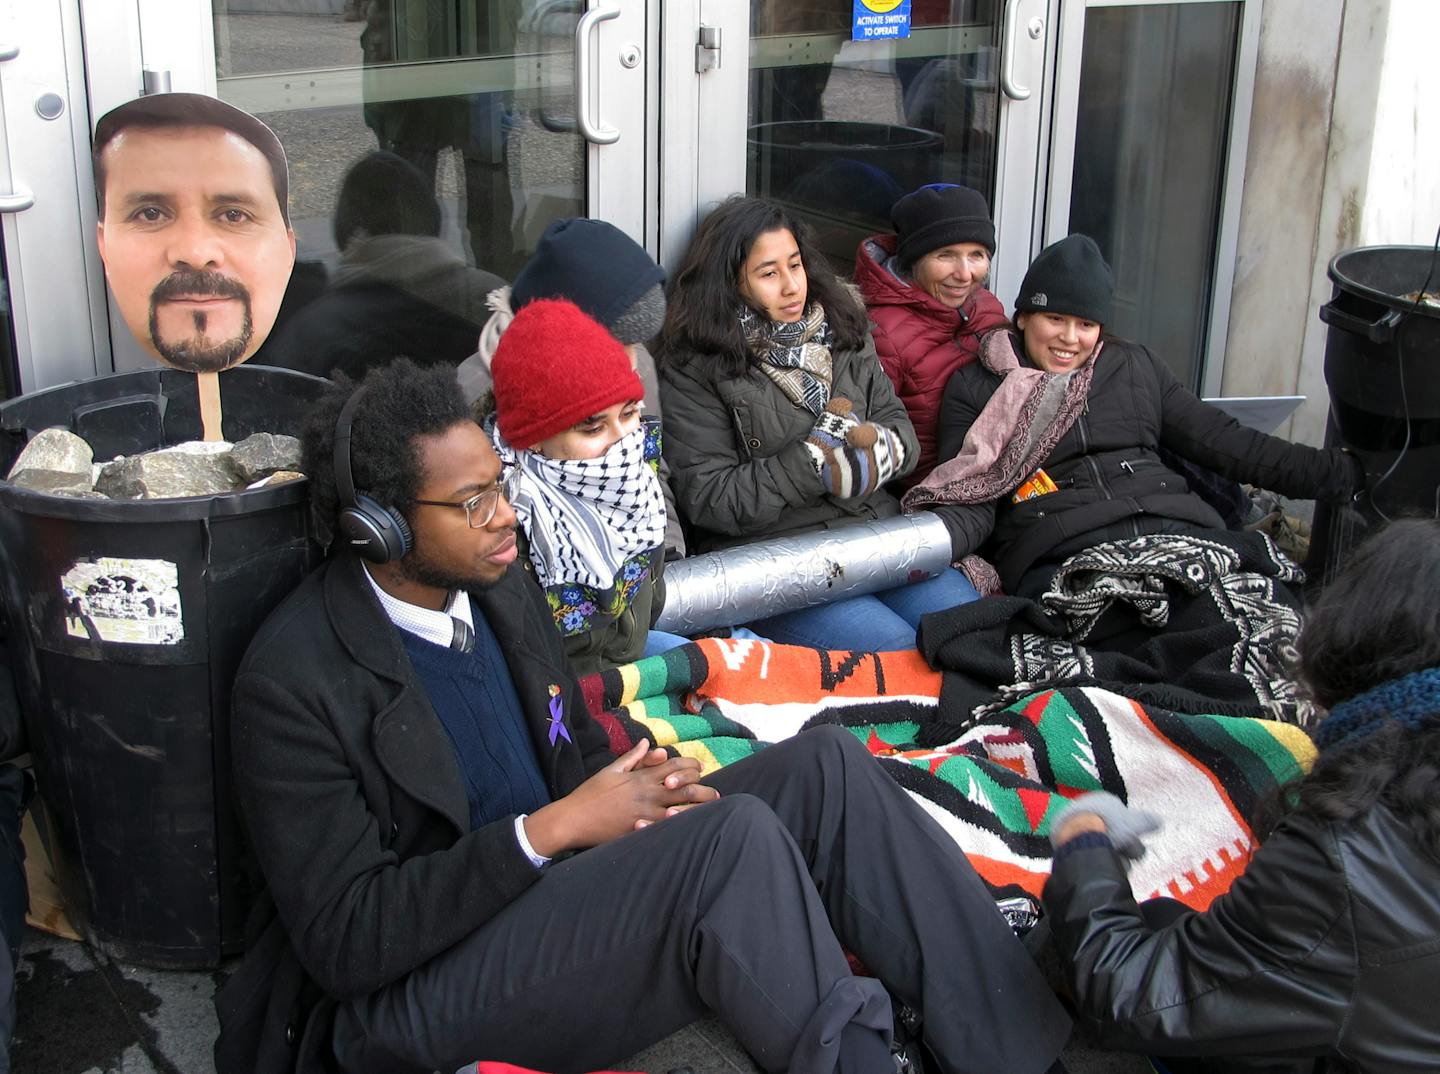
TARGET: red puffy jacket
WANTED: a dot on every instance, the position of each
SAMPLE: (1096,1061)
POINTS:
(920,341)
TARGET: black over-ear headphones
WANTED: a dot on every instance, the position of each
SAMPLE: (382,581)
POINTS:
(379,534)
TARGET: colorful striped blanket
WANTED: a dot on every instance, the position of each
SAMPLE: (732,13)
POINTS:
(997,786)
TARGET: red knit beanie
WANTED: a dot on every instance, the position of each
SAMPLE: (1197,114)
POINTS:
(554,366)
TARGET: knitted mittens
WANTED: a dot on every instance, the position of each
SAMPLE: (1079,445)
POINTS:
(852,458)
(1125,826)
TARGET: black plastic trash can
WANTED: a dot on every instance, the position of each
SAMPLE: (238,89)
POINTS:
(1382,365)
(842,175)
(127,621)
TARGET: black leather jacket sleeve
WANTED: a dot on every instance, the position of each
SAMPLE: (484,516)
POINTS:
(1204,434)
(1268,969)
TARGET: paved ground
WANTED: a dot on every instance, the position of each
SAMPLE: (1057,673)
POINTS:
(82,1014)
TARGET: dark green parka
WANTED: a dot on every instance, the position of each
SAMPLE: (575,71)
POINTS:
(735,445)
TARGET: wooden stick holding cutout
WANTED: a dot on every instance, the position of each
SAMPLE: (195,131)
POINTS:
(207,385)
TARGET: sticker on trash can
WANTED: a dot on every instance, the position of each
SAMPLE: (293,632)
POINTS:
(131,601)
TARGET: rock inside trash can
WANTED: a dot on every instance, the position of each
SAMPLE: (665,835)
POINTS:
(279,477)
(263,454)
(56,481)
(57,451)
(193,469)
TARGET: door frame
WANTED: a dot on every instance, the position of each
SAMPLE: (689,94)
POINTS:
(57,287)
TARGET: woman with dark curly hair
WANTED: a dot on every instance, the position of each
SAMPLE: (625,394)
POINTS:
(1325,955)
(778,416)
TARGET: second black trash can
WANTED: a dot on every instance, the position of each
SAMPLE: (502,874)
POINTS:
(127,620)
(1382,365)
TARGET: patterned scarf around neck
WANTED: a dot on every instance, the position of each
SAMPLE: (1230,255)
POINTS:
(793,354)
(584,518)
(1014,434)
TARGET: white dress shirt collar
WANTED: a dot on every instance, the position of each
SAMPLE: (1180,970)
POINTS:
(425,623)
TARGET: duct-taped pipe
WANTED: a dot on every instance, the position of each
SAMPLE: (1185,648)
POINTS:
(738,585)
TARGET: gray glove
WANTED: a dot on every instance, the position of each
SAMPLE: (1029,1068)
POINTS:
(1124,826)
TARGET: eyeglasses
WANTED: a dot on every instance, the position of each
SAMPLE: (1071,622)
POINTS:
(480,508)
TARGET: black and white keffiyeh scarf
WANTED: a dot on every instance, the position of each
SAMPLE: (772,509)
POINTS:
(794,354)
(584,518)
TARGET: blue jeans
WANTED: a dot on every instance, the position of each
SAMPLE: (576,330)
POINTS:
(657,642)
(877,622)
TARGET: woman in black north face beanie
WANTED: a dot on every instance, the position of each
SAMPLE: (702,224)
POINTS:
(1051,443)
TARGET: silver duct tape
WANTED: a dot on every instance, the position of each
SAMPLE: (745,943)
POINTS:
(738,585)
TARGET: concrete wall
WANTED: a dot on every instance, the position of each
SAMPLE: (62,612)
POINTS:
(1285,167)
(1343,152)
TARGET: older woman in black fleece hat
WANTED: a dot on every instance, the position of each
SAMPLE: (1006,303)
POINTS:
(1051,441)
(924,290)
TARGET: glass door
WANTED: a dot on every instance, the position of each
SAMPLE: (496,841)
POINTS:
(839,129)
(431,142)
(484,100)
(1152,110)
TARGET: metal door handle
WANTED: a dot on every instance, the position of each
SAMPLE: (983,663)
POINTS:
(599,134)
(8,52)
(17,202)
(1013,90)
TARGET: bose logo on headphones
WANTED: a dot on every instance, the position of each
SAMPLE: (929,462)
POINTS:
(1039,298)
(362,541)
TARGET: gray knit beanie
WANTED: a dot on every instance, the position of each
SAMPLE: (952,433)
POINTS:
(643,319)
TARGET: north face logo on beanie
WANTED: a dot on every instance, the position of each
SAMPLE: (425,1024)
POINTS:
(1040,298)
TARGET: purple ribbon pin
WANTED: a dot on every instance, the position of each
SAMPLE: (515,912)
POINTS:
(557,721)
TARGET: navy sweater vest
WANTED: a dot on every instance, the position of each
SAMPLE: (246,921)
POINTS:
(474,696)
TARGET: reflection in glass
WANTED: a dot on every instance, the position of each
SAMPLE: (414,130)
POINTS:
(840,129)
(9,377)
(1150,142)
(470,103)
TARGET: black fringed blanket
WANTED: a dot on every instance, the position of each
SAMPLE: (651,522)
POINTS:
(1194,623)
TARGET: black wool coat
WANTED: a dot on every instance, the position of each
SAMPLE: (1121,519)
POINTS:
(1112,481)
(356,815)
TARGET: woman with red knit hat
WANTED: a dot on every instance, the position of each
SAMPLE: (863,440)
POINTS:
(568,416)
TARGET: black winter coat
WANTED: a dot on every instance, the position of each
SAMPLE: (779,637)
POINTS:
(1328,946)
(356,814)
(738,463)
(1112,483)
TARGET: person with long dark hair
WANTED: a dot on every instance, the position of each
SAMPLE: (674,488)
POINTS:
(1326,951)
(778,416)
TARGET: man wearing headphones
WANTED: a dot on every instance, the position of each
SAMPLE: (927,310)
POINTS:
(457,868)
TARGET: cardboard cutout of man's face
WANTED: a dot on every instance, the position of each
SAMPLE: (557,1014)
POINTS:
(196,248)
